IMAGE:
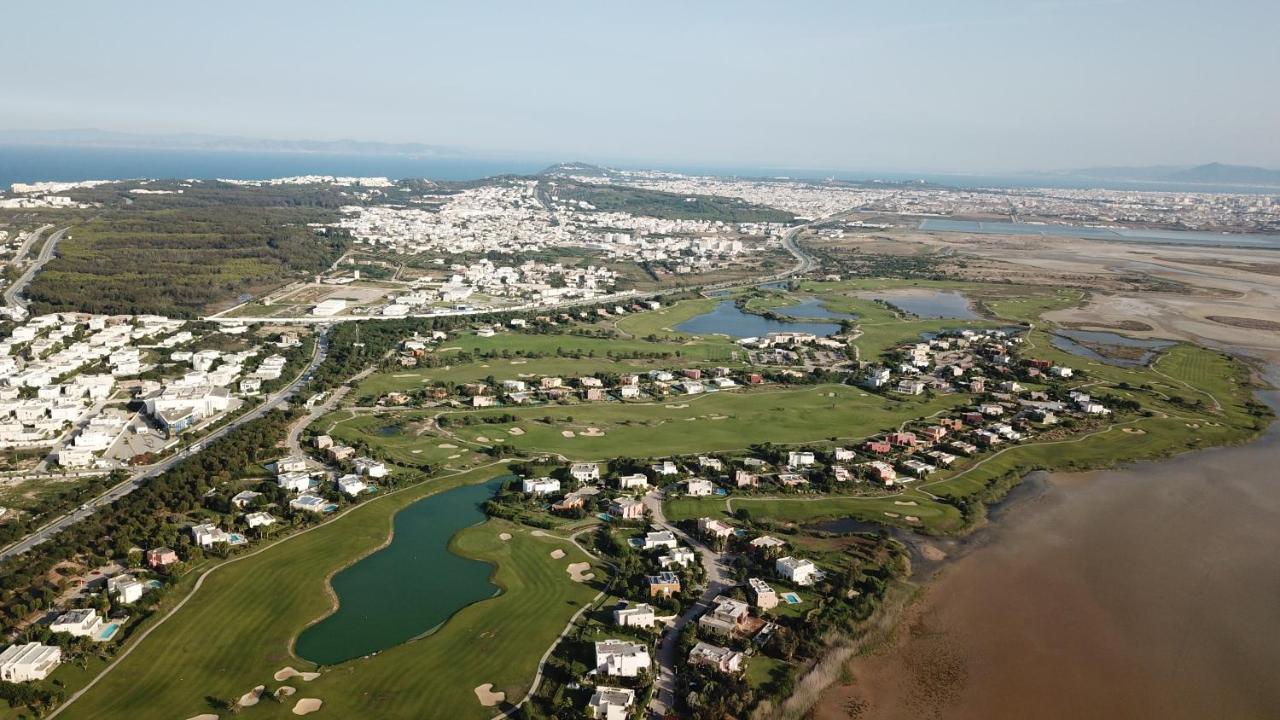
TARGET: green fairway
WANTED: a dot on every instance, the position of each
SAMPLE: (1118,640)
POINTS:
(800,508)
(239,628)
(704,423)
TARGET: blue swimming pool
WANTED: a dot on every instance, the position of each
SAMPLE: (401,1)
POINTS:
(791,598)
(109,631)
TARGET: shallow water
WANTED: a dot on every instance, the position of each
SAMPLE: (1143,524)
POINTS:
(409,587)
(727,319)
(930,304)
(1144,592)
(811,308)
(1071,341)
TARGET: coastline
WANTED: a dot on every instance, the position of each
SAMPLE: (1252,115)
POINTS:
(924,642)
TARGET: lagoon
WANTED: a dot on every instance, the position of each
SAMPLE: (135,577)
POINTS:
(929,303)
(1082,343)
(811,308)
(409,587)
(727,319)
(1174,237)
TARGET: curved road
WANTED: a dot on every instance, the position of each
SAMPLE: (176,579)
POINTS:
(135,481)
(13,294)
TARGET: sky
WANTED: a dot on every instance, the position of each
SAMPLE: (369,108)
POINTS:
(939,86)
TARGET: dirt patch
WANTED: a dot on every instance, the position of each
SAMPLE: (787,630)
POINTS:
(578,572)
(557,554)
(306,706)
(504,536)
(250,698)
(487,697)
(1244,322)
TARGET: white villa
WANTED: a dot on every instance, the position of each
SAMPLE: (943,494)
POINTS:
(611,703)
(641,615)
(33,661)
(620,658)
(797,570)
(540,486)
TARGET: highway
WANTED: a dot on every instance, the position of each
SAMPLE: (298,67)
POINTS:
(57,525)
(13,294)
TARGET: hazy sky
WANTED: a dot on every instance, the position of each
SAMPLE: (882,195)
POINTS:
(948,85)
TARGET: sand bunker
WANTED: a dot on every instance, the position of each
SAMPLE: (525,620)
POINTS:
(891,514)
(250,698)
(306,706)
(206,716)
(578,572)
(681,406)
(519,362)
(285,691)
(912,518)
(447,446)
(515,431)
(481,438)
(453,457)
(504,536)
(593,432)
(931,553)
(566,433)
(487,697)
(557,554)
(1193,426)
(1134,431)
(288,672)
(910,503)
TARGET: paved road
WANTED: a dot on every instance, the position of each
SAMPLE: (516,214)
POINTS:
(13,294)
(718,580)
(57,525)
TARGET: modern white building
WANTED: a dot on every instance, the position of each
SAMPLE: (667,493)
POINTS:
(797,570)
(33,661)
(611,703)
(619,658)
(78,623)
(126,588)
(641,615)
(540,486)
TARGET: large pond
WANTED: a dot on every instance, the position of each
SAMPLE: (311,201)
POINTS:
(727,319)
(409,587)
(929,303)
(811,308)
(1108,347)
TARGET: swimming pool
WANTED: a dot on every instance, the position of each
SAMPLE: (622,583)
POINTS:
(791,598)
(109,631)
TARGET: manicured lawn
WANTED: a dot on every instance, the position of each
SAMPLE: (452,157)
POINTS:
(808,508)
(238,629)
(707,423)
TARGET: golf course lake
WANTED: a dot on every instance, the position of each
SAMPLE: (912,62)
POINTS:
(811,308)
(929,303)
(409,587)
(727,319)
(1108,347)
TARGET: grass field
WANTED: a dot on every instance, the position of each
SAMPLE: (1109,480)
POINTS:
(933,515)
(239,627)
(706,423)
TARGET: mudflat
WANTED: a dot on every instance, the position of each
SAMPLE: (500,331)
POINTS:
(1147,592)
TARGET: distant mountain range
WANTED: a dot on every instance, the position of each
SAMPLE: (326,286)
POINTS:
(1208,174)
(91,137)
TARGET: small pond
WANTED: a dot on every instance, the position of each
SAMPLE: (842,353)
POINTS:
(727,319)
(409,587)
(929,303)
(1108,347)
